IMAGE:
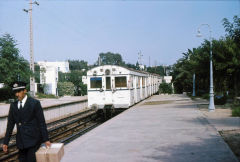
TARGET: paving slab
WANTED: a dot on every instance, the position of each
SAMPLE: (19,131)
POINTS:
(222,119)
(152,132)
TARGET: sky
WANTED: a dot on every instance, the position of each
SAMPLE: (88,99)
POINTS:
(81,29)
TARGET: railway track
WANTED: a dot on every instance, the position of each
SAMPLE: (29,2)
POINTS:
(64,131)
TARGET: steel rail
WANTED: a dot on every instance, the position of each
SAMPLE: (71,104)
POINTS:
(14,153)
(78,134)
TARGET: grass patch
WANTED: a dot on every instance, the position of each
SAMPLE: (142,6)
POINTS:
(157,102)
(236,111)
(232,138)
(41,95)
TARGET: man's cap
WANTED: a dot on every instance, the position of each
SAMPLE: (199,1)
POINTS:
(19,86)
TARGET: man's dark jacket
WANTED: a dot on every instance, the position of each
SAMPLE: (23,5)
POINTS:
(30,121)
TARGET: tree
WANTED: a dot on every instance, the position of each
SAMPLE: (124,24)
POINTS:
(232,48)
(165,88)
(233,29)
(75,77)
(157,70)
(12,66)
(132,66)
(111,59)
(78,65)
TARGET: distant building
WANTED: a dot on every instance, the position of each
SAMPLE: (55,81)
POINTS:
(167,79)
(1,85)
(141,67)
(49,75)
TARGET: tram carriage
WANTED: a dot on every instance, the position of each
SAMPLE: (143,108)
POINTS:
(119,87)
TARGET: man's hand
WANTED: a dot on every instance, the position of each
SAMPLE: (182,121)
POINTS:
(5,148)
(48,144)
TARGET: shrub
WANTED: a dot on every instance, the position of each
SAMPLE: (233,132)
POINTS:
(220,100)
(65,88)
(42,95)
(6,93)
(236,111)
(205,96)
(165,88)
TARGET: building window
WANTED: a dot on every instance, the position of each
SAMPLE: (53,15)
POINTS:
(120,82)
(96,82)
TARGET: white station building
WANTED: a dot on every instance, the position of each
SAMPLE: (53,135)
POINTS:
(49,75)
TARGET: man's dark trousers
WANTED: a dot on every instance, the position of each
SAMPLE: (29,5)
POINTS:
(28,155)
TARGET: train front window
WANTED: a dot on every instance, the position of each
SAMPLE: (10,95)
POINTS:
(96,82)
(120,82)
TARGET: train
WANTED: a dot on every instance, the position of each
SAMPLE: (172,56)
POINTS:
(116,87)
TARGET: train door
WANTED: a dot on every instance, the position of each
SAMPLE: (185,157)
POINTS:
(108,91)
(108,83)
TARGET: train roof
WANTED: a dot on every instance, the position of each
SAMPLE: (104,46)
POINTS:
(115,67)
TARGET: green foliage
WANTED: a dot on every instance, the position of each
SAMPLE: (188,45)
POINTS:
(82,90)
(205,96)
(78,69)
(226,64)
(233,29)
(110,58)
(7,91)
(65,89)
(182,73)
(12,66)
(165,88)
(37,73)
(157,70)
(78,65)
(75,76)
(42,95)
(236,111)
(132,66)
(220,100)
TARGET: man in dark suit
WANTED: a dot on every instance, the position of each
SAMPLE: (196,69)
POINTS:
(27,114)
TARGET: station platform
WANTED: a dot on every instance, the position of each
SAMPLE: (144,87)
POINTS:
(162,128)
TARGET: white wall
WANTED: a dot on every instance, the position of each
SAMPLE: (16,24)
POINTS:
(50,76)
(168,79)
(1,85)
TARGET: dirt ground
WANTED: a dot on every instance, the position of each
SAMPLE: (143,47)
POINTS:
(232,138)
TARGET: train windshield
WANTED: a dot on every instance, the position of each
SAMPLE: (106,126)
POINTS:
(96,82)
(120,82)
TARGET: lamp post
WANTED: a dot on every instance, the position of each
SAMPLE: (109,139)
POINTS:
(211,106)
(193,94)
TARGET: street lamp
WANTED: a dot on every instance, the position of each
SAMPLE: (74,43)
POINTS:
(211,106)
(193,93)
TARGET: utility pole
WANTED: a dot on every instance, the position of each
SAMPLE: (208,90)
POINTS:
(140,61)
(99,61)
(32,79)
(149,61)
(140,58)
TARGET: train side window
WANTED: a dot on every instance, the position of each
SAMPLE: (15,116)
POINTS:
(96,82)
(139,78)
(120,82)
(143,81)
